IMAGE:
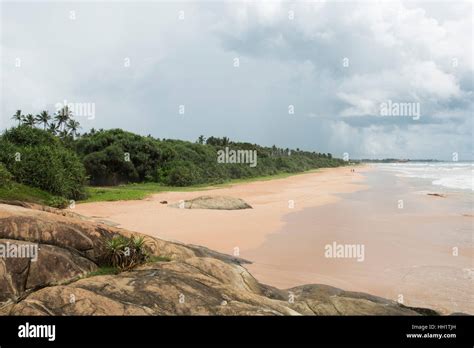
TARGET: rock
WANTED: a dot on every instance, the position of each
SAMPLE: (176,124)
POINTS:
(213,202)
(326,300)
(436,195)
(13,276)
(197,280)
(52,265)
(44,227)
(187,288)
(56,265)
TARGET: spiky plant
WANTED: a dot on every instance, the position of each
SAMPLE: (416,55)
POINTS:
(124,253)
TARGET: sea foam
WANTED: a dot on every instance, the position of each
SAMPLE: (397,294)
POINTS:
(458,175)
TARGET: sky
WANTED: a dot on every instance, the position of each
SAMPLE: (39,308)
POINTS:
(313,75)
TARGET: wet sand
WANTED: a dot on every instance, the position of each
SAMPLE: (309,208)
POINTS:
(408,252)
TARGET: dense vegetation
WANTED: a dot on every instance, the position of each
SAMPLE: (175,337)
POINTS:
(54,158)
(116,156)
(39,159)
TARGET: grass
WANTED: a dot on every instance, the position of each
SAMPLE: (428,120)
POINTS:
(262,178)
(141,191)
(106,270)
(158,259)
(110,270)
(20,192)
(132,191)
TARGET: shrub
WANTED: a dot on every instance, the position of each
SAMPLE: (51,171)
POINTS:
(38,159)
(5,177)
(182,174)
(57,202)
(29,136)
(124,253)
(103,156)
(55,170)
(109,167)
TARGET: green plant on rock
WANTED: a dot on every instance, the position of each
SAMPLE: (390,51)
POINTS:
(124,253)
(138,242)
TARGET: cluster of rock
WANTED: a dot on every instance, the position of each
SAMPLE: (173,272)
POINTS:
(195,280)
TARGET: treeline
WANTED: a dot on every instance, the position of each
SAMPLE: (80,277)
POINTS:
(392,160)
(57,159)
(62,123)
(115,156)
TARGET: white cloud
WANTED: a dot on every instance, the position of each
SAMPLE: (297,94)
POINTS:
(427,79)
(402,51)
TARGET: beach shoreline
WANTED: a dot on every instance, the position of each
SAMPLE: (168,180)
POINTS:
(293,219)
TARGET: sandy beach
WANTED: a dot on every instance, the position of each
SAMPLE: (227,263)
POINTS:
(225,230)
(408,252)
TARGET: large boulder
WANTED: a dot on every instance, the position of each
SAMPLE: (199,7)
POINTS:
(213,202)
(51,265)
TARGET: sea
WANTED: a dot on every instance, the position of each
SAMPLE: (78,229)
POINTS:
(447,176)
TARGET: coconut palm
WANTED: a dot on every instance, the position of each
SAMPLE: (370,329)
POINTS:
(18,117)
(72,127)
(62,116)
(43,118)
(201,139)
(29,120)
(63,133)
(53,127)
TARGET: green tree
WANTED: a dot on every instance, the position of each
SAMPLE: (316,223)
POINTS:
(44,117)
(62,117)
(29,120)
(18,117)
(201,139)
(72,127)
(53,128)
(63,133)
(45,161)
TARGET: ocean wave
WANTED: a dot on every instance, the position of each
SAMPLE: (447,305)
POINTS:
(456,182)
(449,175)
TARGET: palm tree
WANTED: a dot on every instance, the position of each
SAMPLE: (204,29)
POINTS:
(201,139)
(63,133)
(18,117)
(72,127)
(62,116)
(43,118)
(29,120)
(53,127)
